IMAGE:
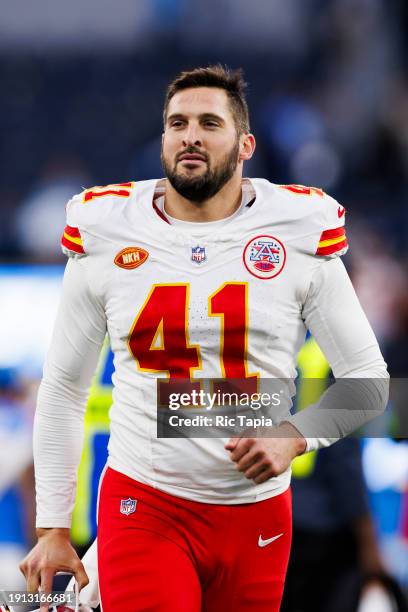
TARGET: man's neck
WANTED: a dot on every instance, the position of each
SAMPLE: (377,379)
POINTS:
(222,205)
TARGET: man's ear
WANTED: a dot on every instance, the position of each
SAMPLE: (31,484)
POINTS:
(247,146)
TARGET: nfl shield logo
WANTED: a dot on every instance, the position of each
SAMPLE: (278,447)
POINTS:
(127,506)
(198,255)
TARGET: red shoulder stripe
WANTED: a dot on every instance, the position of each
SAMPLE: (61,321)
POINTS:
(333,248)
(333,233)
(72,231)
(71,239)
(72,246)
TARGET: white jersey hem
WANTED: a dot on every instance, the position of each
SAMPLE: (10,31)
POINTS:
(246,497)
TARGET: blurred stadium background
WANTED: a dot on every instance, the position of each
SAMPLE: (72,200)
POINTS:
(81,104)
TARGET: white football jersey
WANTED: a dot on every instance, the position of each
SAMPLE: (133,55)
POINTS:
(226,299)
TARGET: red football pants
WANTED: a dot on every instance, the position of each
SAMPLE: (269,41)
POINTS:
(170,554)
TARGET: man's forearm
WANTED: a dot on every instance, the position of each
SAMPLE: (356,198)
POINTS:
(57,446)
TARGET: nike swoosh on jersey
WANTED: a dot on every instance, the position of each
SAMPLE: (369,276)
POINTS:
(340,212)
(263,543)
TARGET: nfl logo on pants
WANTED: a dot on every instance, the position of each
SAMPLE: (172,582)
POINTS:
(127,506)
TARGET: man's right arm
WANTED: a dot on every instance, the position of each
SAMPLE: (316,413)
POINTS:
(78,335)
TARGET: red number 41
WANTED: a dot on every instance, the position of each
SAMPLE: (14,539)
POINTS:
(159,339)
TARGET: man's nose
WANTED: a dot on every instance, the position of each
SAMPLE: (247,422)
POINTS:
(192,136)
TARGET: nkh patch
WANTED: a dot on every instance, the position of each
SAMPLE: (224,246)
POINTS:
(131,257)
(198,254)
(264,257)
(127,506)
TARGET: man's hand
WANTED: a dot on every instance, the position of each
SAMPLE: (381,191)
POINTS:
(52,553)
(262,458)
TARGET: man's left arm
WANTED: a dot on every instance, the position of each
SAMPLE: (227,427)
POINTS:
(335,318)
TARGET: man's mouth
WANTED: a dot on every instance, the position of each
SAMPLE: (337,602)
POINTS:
(191,157)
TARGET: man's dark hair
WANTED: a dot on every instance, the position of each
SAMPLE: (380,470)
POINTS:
(215,76)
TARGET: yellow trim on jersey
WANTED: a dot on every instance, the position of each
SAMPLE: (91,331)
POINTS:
(324,243)
(73,239)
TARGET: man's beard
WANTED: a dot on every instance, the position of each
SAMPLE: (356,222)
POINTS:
(200,188)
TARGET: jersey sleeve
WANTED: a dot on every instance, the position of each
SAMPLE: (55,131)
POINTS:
(89,212)
(79,332)
(72,243)
(332,240)
(335,318)
(318,220)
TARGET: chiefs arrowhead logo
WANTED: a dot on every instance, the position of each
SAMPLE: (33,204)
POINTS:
(131,257)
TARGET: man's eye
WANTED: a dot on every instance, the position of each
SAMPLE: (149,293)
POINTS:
(176,124)
(211,124)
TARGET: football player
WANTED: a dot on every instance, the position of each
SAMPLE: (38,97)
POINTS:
(202,274)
